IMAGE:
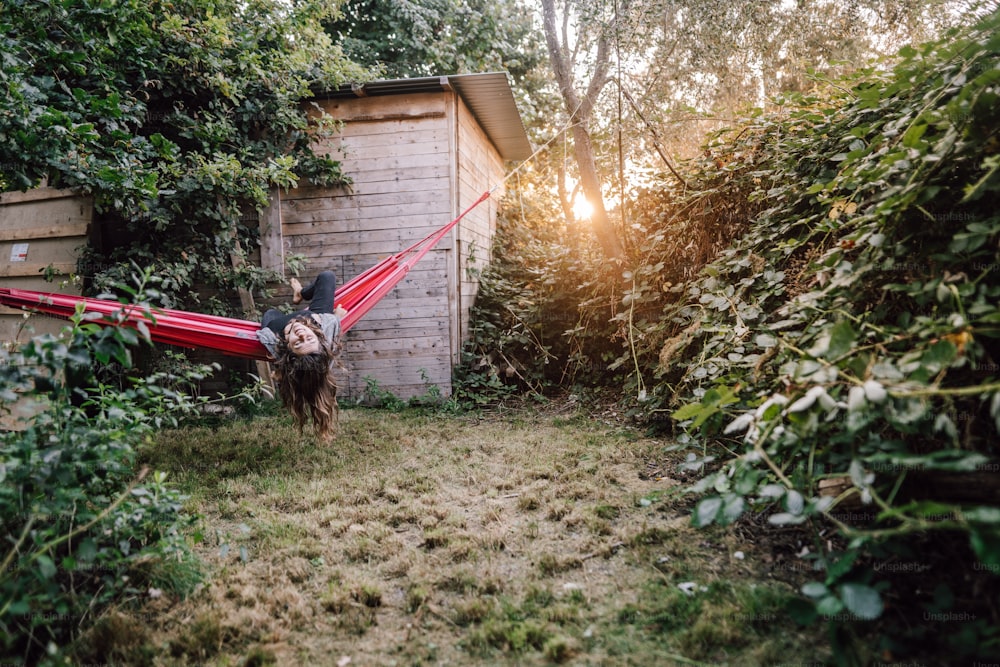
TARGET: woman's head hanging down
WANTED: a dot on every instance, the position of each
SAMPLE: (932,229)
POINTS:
(306,346)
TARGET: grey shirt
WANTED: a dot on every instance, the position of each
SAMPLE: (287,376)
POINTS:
(328,322)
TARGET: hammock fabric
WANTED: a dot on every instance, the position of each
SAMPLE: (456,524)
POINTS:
(230,336)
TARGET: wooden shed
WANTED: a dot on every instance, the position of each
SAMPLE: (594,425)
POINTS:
(419,151)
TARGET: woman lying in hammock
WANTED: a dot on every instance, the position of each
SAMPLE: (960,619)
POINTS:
(306,346)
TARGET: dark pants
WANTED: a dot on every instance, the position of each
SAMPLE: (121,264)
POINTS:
(319,293)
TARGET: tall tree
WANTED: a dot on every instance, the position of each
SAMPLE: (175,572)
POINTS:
(579,106)
(414,38)
(692,65)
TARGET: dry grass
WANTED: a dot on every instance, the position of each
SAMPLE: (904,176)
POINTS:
(425,539)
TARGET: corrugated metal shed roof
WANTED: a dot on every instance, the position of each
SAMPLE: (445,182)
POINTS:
(487,95)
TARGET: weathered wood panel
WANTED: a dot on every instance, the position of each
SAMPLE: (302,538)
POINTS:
(357,111)
(403,380)
(384,212)
(398,153)
(479,169)
(43,230)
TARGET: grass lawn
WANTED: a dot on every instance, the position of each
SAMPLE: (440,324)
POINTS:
(535,536)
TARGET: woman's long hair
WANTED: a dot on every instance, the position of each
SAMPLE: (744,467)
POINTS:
(306,383)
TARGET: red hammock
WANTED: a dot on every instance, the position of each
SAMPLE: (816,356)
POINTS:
(227,335)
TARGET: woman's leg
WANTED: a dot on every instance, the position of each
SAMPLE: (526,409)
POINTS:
(275,320)
(320,292)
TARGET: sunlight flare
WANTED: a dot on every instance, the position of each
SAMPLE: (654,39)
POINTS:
(582,208)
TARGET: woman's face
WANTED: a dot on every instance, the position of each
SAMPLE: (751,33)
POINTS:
(301,339)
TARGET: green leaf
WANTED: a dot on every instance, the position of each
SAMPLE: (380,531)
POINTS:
(841,566)
(911,138)
(706,511)
(938,356)
(794,502)
(986,545)
(733,508)
(773,491)
(815,589)
(687,411)
(46,567)
(87,550)
(786,519)
(766,340)
(862,601)
(842,338)
(830,606)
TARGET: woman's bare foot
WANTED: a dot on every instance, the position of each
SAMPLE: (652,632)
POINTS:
(296,290)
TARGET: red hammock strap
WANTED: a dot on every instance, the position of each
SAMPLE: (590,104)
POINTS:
(364,291)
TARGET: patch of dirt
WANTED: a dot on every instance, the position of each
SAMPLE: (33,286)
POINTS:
(429,540)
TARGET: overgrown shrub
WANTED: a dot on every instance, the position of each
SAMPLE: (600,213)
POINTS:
(840,364)
(553,313)
(818,306)
(83,527)
(177,117)
(537,323)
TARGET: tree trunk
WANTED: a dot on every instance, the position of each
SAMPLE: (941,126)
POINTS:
(583,150)
(579,113)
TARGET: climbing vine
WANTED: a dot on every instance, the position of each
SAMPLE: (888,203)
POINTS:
(177,117)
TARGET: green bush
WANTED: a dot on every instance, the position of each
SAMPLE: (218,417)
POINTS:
(849,341)
(83,527)
(534,326)
(177,117)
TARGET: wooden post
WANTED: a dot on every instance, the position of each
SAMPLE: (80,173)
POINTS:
(249,309)
(272,257)
(272,239)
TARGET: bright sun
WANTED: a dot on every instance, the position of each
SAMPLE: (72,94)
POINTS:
(582,208)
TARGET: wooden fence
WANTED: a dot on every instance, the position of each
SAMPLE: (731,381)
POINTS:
(42,234)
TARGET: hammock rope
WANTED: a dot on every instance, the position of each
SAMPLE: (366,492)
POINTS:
(234,337)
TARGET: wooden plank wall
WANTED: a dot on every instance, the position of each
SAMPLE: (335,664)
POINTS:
(41,229)
(480,168)
(398,152)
